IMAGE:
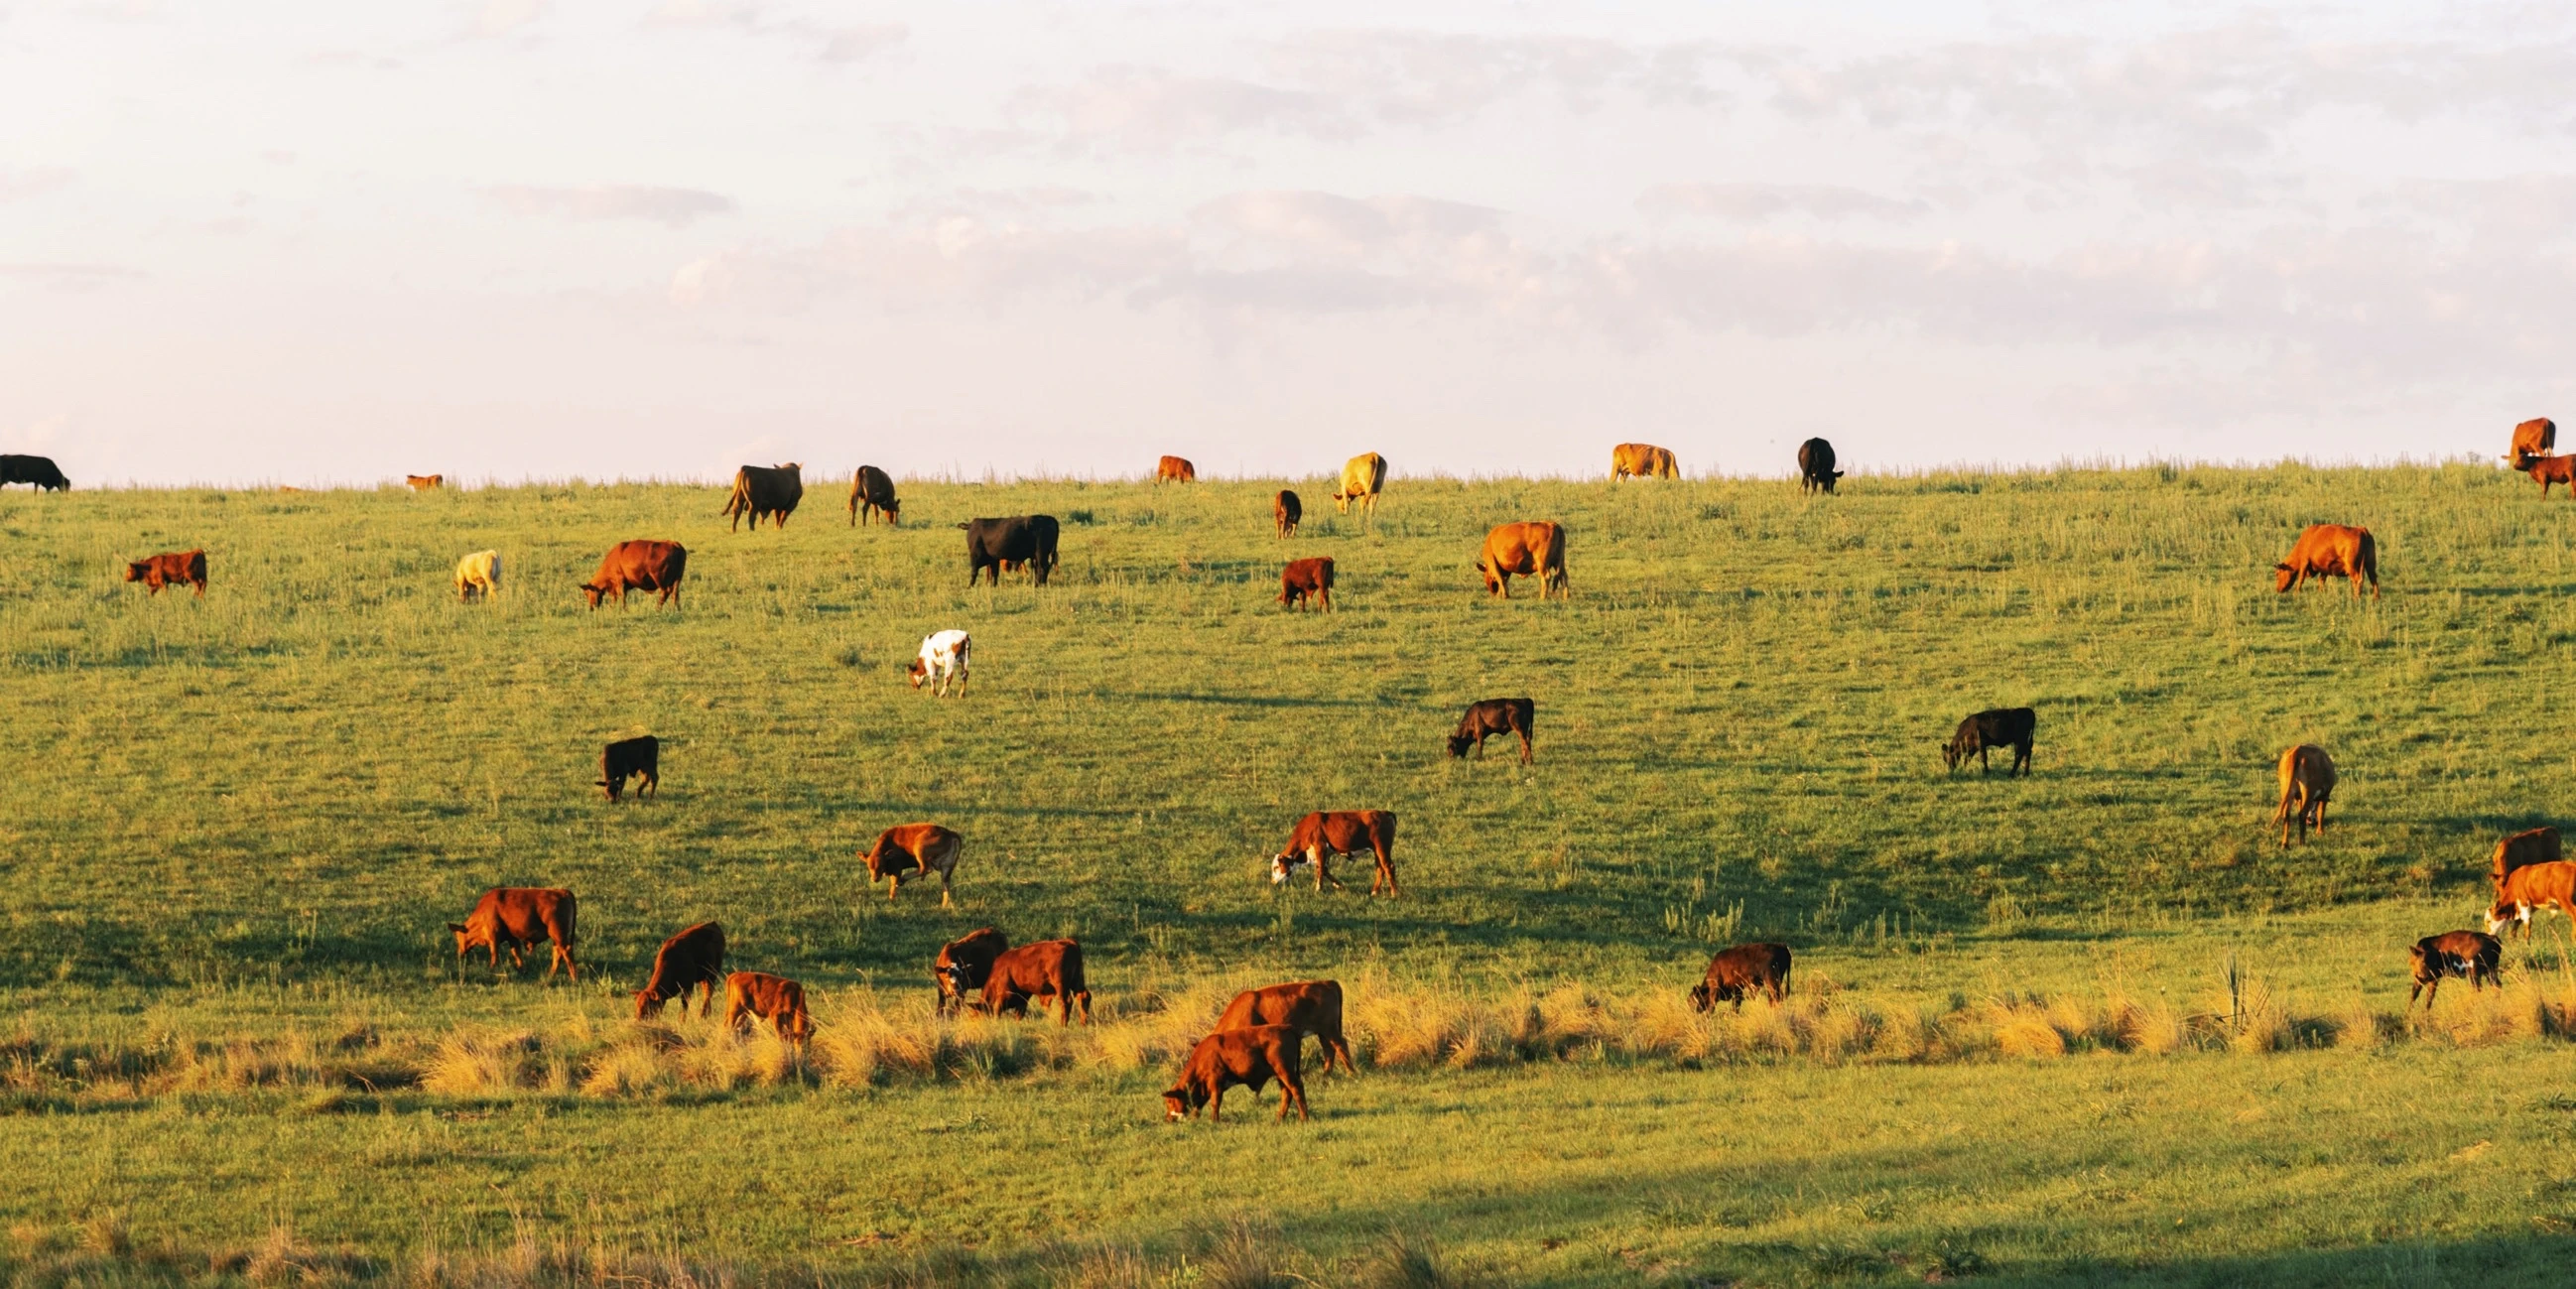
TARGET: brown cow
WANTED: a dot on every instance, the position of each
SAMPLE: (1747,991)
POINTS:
(1314,1006)
(2530,846)
(2549,470)
(1533,549)
(2331,550)
(2465,954)
(637,757)
(964,964)
(871,492)
(1248,1058)
(2532,438)
(2307,780)
(639,566)
(775,999)
(771,492)
(424,482)
(1363,478)
(1307,577)
(1642,461)
(1175,470)
(1739,970)
(1488,717)
(2530,889)
(693,959)
(1047,969)
(1326,833)
(913,850)
(170,570)
(1286,510)
(516,916)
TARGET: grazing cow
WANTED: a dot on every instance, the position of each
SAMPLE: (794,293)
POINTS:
(1248,1058)
(1175,470)
(776,999)
(2464,955)
(2330,550)
(1047,969)
(944,654)
(913,850)
(1028,539)
(964,965)
(771,492)
(170,569)
(2530,889)
(2549,470)
(2013,727)
(872,492)
(1491,716)
(39,471)
(1737,971)
(1816,472)
(639,566)
(1363,478)
(1532,549)
(693,959)
(513,917)
(424,482)
(631,757)
(478,574)
(1326,833)
(2307,781)
(1286,510)
(1314,1006)
(2525,848)
(2532,438)
(1642,461)
(1307,577)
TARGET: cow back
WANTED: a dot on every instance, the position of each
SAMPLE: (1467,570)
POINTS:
(2540,884)
(1035,970)
(974,953)
(1314,1006)
(2530,846)
(695,954)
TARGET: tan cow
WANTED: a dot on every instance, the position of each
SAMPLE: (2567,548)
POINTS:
(2330,550)
(1532,549)
(2307,780)
(913,850)
(1175,470)
(2532,438)
(1642,461)
(478,574)
(1363,478)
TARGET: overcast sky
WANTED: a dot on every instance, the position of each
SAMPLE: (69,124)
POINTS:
(341,242)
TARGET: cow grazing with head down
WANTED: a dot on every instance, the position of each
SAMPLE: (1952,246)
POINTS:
(1305,578)
(1285,511)
(1314,1006)
(1488,717)
(2549,470)
(2330,550)
(871,493)
(1816,472)
(770,493)
(1320,836)
(2013,727)
(1532,549)
(2454,955)
(1175,470)
(177,568)
(1363,478)
(1028,539)
(2521,850)
(964,964)
(2532,439)
(639,566)
(2307,777)
(39,471)
(775,999)
(2530,889)
(1231,1058)
(1642,461)
(1047,969)
(425,482)
(478,574)
(913,850)
(945,656)
(516,917)
(693,959)
(638,757)
(1740,970)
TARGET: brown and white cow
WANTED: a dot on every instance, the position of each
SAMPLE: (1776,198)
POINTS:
(175,568)
(1307,578)
(913,850)
(1175,470)
(516,917)
(1047,969)
(1642,461)
(639,565)
(2454,954)
(1320,836)
(2530,889)
(775,999)
(2330,550)
(964,964)
(693,959)
(2525,848)
(1737,971)
(2307,777)
(1532,549)
(1285,511)
(1231,1058)
(1314,1006)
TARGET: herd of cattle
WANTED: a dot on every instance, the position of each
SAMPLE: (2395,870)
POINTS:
(1260,1034)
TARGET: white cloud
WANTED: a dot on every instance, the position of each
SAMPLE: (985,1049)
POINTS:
(501,17)
(18,185)
(1755,203)
(676,207)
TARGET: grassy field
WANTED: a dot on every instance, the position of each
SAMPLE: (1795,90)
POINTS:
(235,828)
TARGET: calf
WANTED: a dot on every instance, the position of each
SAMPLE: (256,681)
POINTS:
(2530,846)
(871,493)
(1306,577)
(1492,716)
(516,916)
(1175,470)
(1047,969)
(2307,782)
(2530,889)
(693,959)
(1286,510)
(2549,470)
(945,655)
(1314,1006)
(1734,972)
(478,574)
(170,570)
(964,964)
(1239,1058)
(1326,833)
(913,850)
(628,758)
(2463,954)
(424,482)
(2013,727)
(775,999)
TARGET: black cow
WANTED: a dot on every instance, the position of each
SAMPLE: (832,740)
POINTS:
(618,761)
(1493,716)
(2011,727)
(1816,472)
(39,471)
(1020,539)
(872,493)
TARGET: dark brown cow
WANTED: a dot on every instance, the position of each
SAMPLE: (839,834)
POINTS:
(913,850)
(2549,470)
(775,999)
(1816,472)
(639,566)
(1248,1058)
(627,758)
(1491,716)
(1739,970)
(693,959)
(2530,889)
(2330,550)
(2013,727)
(1314,1006)
(1532,549)
(964,964)
(872,492)
(173,569)
(1326,833)
(1286,511)
(2532,438)
(424,482)
(771,493)
(2463,954)
(1175,470)
(1047,969)
(1307,577)
(2530,846)
(2307,778)
(38,471)
(520,916)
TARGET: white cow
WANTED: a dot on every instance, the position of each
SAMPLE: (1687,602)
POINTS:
(943,654)
(478,572)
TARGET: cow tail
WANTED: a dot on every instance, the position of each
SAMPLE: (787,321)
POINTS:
(2370,558)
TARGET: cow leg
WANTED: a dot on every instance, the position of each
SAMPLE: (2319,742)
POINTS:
(652,785)
(1291,1088)
(2419,988)
(1385,873)
(1525,745)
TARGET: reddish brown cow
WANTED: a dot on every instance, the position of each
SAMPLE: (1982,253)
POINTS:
(693,959)
(1307,577)
(2307,778)
(1047,969)
(1175,470)
(2549,470)
(172,569)
(1488,717)
(913,850)
(2530,889)
(517,916)
(1230,1058)
(639,566)
(1286,510)
(2525,848)
(424,482)
(1746,967)
(2330,550)
(1326,833)
(2532,438)
(1314,1006)
(964,964)
(1533,549)
(2464,954)
(775,999)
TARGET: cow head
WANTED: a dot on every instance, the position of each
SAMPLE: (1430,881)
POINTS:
(1485,568)
(649,1004)
(2282,576)
(952,981)
(593,592)
(1951,753)
(1282,866)
(465,937)
(1182,1101)
(893,511)
(1701,999)
(134,572)
(610,786)
(2505,913)
(919,671)
(1459,743)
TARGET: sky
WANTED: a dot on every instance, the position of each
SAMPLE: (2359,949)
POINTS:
(507,239)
